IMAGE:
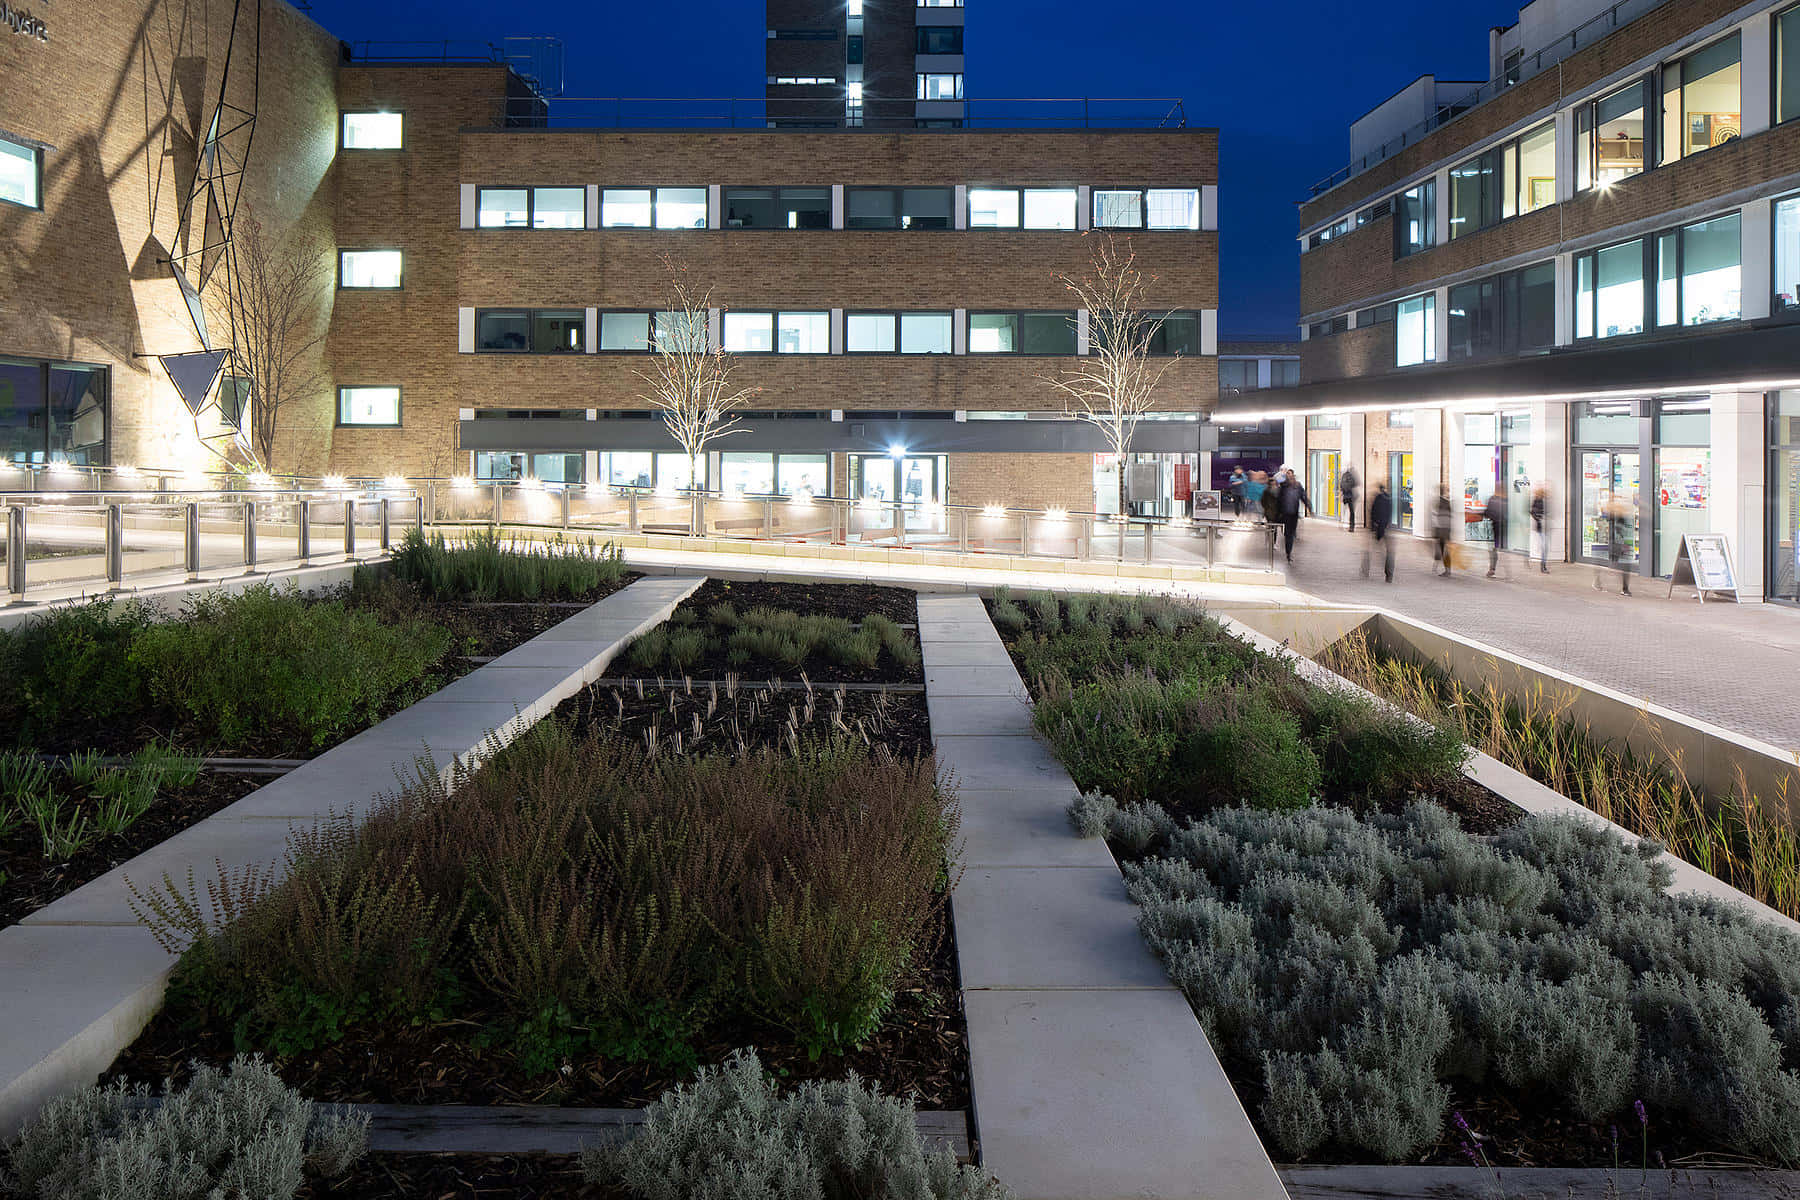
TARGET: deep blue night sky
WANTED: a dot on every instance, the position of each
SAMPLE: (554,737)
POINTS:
(1282,81)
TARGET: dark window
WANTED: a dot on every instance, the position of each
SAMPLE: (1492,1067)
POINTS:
(1319,329)
(897,208)
(854,49)
(940,39)
(1179,333)
(1375,212)
(1415,219)
(1787,65)
(531,331)
(1237,374)
(1284,372)
(1474,319)
(234,400)
(1474,194)
(1528,308)
(778,208)
(52,412)
(1022,333)
(1381,314)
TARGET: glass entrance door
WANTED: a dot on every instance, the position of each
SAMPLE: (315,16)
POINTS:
(877,481)
(1326,472)
(1609,506)
(1400,486)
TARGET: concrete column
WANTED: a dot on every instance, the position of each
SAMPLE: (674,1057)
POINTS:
(959,331)
(1293,443)
(1356,454)
(715,328)
(1428,466)
(837,331)
(465,331)
(1209,331)
(837,206)
(592,207)
(1441,197)
(1081,330)
(1547,459)
(468,206)
(1739,484)
(1565,299)
(1565,155)
(1209,207)
(1440,326)
(1757,62)
(592,338)
(960,213)
(1453,424)
(715,206)
(1084,206)
(1757,255)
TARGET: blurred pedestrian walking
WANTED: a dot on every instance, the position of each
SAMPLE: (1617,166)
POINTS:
(1441,516)
(1620,516)
(1234,488)
(1381,518)
(1495,512)
(1291,499)
(1540,533)
(1350,491)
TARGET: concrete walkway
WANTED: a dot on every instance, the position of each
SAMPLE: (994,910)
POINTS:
(1092,1078)
(81,977)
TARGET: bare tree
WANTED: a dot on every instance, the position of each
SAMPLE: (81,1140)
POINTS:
(1115,384)
(276,294)
(690,381)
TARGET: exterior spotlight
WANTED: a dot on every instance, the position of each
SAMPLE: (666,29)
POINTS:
(394,483)
(993,510)
(802,498)
(463,483)
(1056,514)
(896,451)
(532,484)
(599,487)
(334,483)
(62,467)
(261,480)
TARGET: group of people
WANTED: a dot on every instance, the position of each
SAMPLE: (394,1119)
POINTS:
(1280,499)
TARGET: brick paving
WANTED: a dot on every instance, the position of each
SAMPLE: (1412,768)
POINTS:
(1735,665)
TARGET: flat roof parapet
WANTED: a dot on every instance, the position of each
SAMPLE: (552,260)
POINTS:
(880,114)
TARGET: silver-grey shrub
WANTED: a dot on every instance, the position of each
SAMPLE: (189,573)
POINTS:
(1363,965)
(732,1135)
(237,1134)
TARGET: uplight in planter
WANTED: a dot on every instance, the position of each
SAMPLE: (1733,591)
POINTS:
(394,483)
(599,488)
(1057,515)
(262,481)
(463,483)
(993,510)
(335,483)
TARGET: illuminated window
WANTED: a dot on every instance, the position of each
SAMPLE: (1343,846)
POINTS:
(369,406)
(373,131)
(369,269)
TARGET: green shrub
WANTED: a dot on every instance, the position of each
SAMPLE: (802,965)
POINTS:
(482,567)
(1118,734)
(1358,966)
(72,666)
(268,664)
(584,895)
(238,1134)
(1242,747)
(1368,749)
(732,1135)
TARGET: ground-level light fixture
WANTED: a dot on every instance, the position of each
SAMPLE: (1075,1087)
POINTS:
(993,510)
(463,483)
(394,483)
(335,483)
(1056,514)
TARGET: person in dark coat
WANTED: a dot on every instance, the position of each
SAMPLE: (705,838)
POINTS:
(1271,498)
(1235,489)
(1350,490)
(1495,512)
(1441,516)
(1381,519)
(1540,511)
(1291,500)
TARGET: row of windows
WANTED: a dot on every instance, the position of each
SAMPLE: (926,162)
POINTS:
(1699,98)
(1242,374)
(810,208)
(564,331)
(21,174)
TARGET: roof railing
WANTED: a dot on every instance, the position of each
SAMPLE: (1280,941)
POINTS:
(1580,38)
(538,60)
(829,112)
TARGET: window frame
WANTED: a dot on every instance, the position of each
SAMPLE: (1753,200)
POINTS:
(346,113)
(1646,282)
(774,315)
(919,96)
(531,317)
(655,190)
(776,191)
(531,190)
(1429,326)
(1144,225)
(895,315)
(1662,93)
(1164,316)
(1428,220)
(898,193)
(1019,315)
(1588,112)
(37,174)
(362,287)
(919,32)
(399,406)
(1653,244)
(1018,191)
(1792,310)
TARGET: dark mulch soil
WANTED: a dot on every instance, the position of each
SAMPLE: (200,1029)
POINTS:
(921,1048)
(753,715)
(28,882)
(852,602)
(463,1177)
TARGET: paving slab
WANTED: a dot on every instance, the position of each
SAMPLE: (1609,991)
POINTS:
(532,690)
(1105,1095)
(1012,828)
(974,681)
(1058,927)
(949,655)
(978,716)
(459,726)
(348,783)
(992,763)
(73,997)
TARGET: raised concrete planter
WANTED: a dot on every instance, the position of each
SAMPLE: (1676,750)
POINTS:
(1528,793)
(1091,1075)
(1536,1183)
(168,595)
(81,977)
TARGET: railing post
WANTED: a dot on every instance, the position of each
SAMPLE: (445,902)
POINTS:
(431,497)
(631,514)
(115,544)
(698,518)
(303,529)
(15,549)
(249,537)
(565,506)
(899,522)
(387,539)
(1149,531)
(768,519)
(349,529)
(499,500)
(1025,534)
(962,530)
(419,513)
(191,540)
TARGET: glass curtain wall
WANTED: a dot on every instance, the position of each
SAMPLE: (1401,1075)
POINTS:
(1624,447)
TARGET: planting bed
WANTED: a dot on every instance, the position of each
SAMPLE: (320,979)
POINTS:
(1389,972)
(559,894)
(463,1177)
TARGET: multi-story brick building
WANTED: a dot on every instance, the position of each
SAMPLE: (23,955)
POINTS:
(874,64)
(500,261)
(1579,274)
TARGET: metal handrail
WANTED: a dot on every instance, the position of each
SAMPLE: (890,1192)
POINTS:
(710,112)
(1579,38)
